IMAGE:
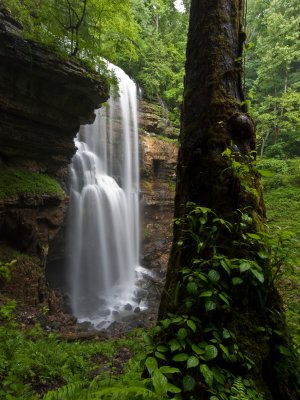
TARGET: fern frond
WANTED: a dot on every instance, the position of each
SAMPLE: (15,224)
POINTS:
(72,391)
(123,393)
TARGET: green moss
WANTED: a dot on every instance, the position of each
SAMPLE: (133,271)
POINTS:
(14,183)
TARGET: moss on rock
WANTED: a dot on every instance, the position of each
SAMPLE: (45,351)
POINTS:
(14,183)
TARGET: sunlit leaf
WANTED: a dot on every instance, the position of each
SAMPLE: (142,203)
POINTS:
(192,362)
(207,374)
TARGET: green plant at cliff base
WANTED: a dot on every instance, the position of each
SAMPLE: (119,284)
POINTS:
(219,329)
(15,183)
(38,366)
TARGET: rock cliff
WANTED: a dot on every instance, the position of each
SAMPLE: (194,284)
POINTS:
(159,148)
(43,100)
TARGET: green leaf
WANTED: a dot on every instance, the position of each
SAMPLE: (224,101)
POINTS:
(211,352)
(258,275)
(206,293)
(224,349)
(189,383)
(253,236)
(192,362)
(182,333)
(263,255)
(192,288)
(160,382)
(202,277)
(160,355)
(162,349)
(224,298)
(176,320)
(151,364)
(180,357)
(219,375)
(214,275)
(174,345)
(207,374)
(197,349)
(165,323)
(245,266)
(226,334)
(237,281)
(284,350)
(191,324)
(172,388)
(210,305)
(225,265)
(169,370)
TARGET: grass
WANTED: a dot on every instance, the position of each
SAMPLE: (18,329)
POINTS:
(14,183)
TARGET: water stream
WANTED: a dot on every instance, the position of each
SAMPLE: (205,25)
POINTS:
(104,210)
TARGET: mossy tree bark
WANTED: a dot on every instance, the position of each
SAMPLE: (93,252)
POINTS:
(214,118)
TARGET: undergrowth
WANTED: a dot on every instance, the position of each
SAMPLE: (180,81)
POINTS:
(282,197)
(32,364)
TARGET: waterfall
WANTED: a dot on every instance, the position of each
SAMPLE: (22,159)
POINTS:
(104,210)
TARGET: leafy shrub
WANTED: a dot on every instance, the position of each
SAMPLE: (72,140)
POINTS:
(276,150)
(273,165)
(274,182)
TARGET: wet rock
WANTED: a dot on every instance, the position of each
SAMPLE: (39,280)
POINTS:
(137,310)
(128,307)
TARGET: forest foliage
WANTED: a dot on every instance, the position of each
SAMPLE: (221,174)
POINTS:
(147,38)
(273,74)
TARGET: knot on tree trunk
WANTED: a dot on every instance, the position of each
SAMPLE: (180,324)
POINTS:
(242,129)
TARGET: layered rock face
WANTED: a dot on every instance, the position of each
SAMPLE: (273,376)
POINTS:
(43,100)
(159,157)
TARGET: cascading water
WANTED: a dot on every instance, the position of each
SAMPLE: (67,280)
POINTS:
(104,209)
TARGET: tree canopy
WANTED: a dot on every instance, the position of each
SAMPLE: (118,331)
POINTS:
(147,38)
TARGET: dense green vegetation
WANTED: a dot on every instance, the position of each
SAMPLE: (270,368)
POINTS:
(282,196)
(273,74)
(145,37)
(14,183)
(32,364)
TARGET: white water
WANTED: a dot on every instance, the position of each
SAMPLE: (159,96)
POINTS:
(104,210)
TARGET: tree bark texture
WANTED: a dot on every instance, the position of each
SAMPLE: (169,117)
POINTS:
(213,118)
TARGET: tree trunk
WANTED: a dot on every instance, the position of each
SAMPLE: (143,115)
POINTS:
(214,170)
(213,119)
